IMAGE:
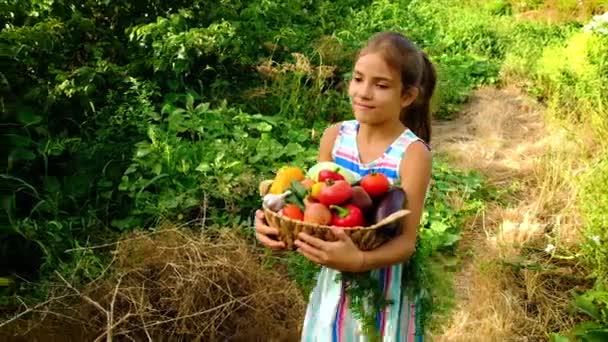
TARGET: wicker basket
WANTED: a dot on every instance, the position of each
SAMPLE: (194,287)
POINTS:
(366,238)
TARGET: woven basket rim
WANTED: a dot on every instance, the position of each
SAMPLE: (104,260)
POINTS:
(387,220)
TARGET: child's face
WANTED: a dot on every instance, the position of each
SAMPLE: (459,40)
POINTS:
(376,90)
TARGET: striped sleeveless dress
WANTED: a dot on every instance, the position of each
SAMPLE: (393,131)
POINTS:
(328,317)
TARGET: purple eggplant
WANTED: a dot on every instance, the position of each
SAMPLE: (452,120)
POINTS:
(391,202)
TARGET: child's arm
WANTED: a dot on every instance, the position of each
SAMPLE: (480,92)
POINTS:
(415,174)
(327,142)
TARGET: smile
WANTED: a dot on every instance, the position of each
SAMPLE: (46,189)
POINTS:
(362,106)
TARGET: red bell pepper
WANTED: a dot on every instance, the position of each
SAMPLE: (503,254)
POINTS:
(330,174)
(348,215)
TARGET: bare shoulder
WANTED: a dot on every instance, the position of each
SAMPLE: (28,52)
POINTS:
(327,142)
(331,132)
(417,163)
(418,152)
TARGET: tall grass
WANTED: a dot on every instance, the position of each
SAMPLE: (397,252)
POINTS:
(565,67)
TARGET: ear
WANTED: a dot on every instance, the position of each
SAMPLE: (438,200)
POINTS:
(409,96)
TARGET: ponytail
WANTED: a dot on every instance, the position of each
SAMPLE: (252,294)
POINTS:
(417,116)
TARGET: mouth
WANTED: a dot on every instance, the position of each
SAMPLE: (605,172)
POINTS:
(362,106)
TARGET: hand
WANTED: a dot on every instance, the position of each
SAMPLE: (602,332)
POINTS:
(342,255)
(262,230)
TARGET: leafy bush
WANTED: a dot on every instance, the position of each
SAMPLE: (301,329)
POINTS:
(574,76)
(123,114)
(88,85)
(196,152)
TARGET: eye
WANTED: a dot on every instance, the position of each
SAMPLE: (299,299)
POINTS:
(382,86)
(357,78)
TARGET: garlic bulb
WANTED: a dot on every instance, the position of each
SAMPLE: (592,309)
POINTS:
(275,202)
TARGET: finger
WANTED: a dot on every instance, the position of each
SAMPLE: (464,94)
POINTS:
(313,241)
(317,253)
(340,234)
(260,214)
(264,229)
(310,256)
(270,243)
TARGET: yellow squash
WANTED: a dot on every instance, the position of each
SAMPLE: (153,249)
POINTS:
(283,179)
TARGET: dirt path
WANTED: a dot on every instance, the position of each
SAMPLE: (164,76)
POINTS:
(502,134)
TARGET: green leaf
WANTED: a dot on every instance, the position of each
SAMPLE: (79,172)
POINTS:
(554,337)
(4,282)
(177,120)
(27,117)
(189,101)
(438,226)
(203,167)
(256,158)
(597,335)
(132,168)
(51,184)
(167,108)
(294,199)
(293,149)
(584,328)
(298,189)
(450,239)
(585,304)
(22,141)
(157,169)
(143,150)
(263,127)
(126,223)
(106,195)
(202,107)
(21,154)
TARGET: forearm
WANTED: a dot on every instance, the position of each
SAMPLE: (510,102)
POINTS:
(395,251)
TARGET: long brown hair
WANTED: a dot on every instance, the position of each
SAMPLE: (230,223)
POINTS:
(416,70)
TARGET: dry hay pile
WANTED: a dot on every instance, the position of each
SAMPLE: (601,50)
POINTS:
(172,286)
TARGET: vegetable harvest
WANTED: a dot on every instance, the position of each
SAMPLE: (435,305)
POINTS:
(330,195)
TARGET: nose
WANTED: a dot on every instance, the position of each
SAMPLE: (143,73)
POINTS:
(364,90)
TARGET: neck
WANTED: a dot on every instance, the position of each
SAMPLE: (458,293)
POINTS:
(386,131)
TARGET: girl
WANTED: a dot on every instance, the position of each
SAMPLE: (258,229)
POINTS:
(390,92)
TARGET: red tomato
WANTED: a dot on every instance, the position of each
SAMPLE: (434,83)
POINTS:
(293,211)
(336,192)
(375,184)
